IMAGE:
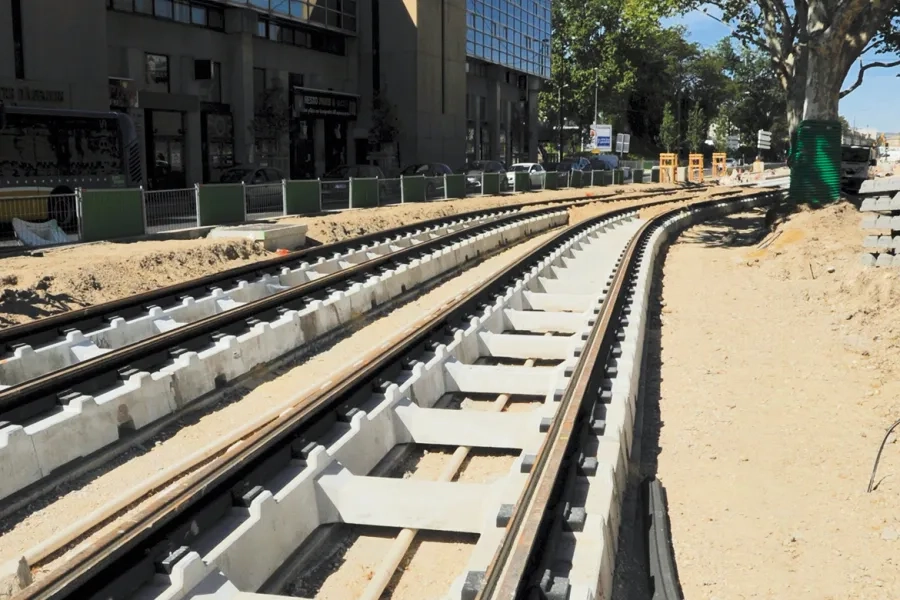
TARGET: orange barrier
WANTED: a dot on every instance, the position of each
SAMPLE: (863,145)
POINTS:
(667,165)
(695,168)
(718,165)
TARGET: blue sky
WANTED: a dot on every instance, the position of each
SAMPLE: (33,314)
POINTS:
(865,107)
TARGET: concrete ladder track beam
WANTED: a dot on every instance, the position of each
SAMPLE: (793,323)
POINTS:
(326,487)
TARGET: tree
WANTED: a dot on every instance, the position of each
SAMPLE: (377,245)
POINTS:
(845,125)
(695,130)
(668,131)
(721,129)
(812,44)
(272,115)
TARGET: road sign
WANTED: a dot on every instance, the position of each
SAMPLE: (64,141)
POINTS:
(764,139)
(733,143)
(600,138)
(623,142)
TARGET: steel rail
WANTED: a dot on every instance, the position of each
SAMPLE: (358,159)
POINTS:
(509,569)
(147,525)
(41,394)
(53,327)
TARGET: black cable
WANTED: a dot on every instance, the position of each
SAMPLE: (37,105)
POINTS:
(878,456)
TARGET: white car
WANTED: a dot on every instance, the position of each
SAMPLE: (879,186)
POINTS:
(730,163)
(534,170)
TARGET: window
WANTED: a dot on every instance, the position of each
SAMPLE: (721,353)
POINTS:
(189,12)
(157,66)
(214,93)
(163,8)
(182,11)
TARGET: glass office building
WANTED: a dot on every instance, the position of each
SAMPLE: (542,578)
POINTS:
(511,33)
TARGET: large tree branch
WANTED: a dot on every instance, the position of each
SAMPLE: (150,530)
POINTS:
(862,73)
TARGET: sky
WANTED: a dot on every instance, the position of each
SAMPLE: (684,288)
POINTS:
(865,107)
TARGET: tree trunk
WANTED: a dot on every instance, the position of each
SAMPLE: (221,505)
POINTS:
(796,89)
(823,84)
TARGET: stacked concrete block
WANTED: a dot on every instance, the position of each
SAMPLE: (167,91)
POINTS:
(881,222)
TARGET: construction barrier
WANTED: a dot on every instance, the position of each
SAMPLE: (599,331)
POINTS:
(363,192)
(111,214)
(412,188)
(695,168)
(521,182)
(718,165)
(302,197)
(667,165)
(220,204)
(117,213)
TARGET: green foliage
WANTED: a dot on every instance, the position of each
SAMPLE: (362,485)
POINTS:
(721,129)
(696,129)
(668,130)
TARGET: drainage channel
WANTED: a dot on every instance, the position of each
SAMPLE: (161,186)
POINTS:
(68,414)
(439,437)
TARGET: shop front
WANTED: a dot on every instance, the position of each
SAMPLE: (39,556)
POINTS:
(321,120)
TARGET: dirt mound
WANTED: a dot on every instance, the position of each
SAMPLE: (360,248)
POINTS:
(61,280)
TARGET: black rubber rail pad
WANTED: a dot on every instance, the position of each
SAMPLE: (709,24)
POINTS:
(663,572)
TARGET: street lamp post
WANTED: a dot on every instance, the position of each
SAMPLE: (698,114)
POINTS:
(559,89)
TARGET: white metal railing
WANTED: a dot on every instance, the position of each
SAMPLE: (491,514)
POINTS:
(170,210)
(264,200)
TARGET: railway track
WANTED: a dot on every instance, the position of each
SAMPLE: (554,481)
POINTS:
(75,396)
(540,363)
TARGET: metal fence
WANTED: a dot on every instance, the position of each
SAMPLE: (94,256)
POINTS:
(335,195)
(264,200)
(389,191)
(434,188)
(38,220)
(169,210)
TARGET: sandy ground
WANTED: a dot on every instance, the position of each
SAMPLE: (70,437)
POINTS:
(774,393)
(241,406)
(32,287)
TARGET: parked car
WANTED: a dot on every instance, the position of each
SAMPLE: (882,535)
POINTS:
(609,162)
(475,170)
(535,174)
(259,198)
(434,185)
(574,163)
(730,163)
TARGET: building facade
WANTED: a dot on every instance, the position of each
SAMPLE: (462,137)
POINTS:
(287,83)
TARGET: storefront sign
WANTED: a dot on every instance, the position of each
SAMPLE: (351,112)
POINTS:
(31,94)
(315,102)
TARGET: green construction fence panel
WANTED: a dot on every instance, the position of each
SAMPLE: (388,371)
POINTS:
(574,178)
(618,177)
(815,161)
(654,175)
(412,188)
(490,184)
(220,204)
(596,178)
(522,182)
(606,178)
(551,180)
(363,192)
(637,176)
(303,197)
(111,214)
(454,186)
